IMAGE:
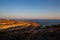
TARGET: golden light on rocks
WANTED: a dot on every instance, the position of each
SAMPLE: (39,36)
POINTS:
(5,24)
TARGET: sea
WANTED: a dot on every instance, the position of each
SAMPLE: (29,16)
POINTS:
(47,22)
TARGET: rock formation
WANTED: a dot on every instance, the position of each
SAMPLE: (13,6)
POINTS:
(5,24)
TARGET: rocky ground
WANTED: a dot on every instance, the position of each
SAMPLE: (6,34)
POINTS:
(30,33)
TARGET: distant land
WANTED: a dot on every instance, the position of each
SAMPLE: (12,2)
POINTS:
(44,22)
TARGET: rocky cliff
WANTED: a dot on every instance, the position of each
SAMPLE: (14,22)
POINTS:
(5,24)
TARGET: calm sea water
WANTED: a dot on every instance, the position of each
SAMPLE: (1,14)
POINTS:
(46,22)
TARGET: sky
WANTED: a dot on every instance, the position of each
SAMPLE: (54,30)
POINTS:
(30,9)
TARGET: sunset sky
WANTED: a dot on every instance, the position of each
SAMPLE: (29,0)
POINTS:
(30,9)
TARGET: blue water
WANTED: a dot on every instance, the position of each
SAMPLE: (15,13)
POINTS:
(46,22)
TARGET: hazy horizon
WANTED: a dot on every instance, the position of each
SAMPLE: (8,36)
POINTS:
(29,9)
